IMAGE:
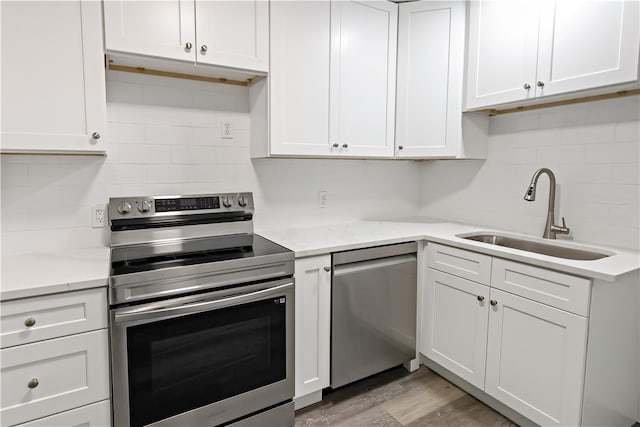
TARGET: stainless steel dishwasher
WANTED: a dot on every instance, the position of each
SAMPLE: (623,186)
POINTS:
(373,311)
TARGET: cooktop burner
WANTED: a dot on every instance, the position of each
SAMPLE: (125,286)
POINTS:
(139,258)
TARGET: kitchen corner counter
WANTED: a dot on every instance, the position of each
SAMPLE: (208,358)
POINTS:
(36,274)
(320,240)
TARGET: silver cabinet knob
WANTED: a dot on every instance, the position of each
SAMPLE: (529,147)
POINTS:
(493,302)
(327,269)
(33,383)
(540,84)
(242,201)
(124,208)
(400,147)
(188,45)
(345,145)
(95,135)
(336,145)
(203,48)
(480,298)
(526,86)
(226,202)
(145,206)
(29,322)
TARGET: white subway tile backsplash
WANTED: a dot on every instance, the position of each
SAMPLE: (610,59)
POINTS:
(125,132)
(601,133)
(628,131)
(15,172)
(618,152)
(628,173)
(144,154)
(168,174)
(558,154)
(172,135)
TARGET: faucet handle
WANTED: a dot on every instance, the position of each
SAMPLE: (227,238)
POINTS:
(556,229)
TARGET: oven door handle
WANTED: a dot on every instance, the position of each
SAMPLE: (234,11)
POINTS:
(193,304)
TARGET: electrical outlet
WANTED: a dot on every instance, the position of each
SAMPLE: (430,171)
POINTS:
(322,198)
(227,130)
(98,216)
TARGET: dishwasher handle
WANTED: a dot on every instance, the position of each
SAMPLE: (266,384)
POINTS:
(360,266)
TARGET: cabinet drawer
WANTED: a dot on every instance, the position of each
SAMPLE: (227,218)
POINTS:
(52,376)
(465,264)
(94,415)
(52,316)
(556,289)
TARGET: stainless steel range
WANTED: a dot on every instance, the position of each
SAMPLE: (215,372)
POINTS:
(201,313)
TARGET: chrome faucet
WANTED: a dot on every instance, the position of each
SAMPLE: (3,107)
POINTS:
(550,229)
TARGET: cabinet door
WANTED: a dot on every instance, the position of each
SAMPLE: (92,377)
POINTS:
(152,28)
(313,322)
(503,43)
(55,375)
(587,44)
(233,33)
(536,359)
(94,415)
(430,70)
(455,330)
(363,77)
(53,84)
(299,78)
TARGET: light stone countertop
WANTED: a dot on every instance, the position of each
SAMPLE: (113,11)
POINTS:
(310,241)
(44,273)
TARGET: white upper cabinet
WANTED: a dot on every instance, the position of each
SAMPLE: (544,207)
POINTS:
(363,75)
(299,77)
(233,33)
(331,81)
(164,29)
(520,50)
(227,33)
(587,44)
(53,101)
(429,119)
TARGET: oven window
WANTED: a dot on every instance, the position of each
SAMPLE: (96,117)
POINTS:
(180,364)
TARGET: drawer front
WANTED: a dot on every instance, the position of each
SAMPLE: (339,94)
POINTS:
(28,320)
(556,289)
(94,415)
(52,376)
(461,263)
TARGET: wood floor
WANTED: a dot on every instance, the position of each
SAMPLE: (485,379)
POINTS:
(398,398)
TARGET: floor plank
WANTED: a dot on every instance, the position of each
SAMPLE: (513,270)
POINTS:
(396,398)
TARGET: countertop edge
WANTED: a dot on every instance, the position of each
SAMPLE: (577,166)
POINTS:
(56,288)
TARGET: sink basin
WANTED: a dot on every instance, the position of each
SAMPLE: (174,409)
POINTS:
(537,247)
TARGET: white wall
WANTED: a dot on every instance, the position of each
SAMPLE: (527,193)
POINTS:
(164,138)
(593,148)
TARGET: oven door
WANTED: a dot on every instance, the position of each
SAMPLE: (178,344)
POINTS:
(203,359)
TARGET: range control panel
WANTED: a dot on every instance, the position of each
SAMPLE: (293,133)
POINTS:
(150,206)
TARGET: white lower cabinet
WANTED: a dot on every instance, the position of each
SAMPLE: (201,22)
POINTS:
(313,322)
(457,320)
(536,359)
(94,415)
(54,362)
(525,353)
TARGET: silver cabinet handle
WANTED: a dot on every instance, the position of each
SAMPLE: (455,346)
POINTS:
(29,322)
(493,302)
(345,145)
(203,48)
(95,135)
(540,84)
(526,86)
(327,269)
(336,145)
(33,383)
(188,45)
(480,298)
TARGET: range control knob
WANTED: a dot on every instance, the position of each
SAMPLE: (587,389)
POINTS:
(124,208)
(226,201)
(242,201)
(144,206)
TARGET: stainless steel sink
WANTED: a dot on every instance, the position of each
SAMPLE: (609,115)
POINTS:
(539,248)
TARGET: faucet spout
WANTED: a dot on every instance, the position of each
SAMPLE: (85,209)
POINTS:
(550,229)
